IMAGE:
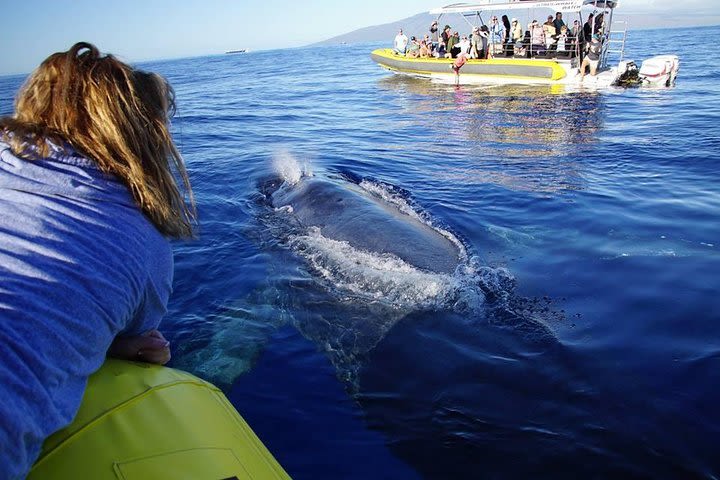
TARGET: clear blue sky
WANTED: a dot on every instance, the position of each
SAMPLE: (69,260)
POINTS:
(138,30)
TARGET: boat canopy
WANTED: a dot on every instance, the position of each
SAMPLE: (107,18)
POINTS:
(556,5)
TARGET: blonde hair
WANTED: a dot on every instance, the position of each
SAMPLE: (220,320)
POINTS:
(113,114)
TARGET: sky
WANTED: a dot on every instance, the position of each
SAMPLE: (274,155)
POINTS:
(137,30)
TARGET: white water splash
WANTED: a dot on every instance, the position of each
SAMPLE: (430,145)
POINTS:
(385,278)
(289,168)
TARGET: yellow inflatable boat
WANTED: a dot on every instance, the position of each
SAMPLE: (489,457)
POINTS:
(504,70)
(141,421)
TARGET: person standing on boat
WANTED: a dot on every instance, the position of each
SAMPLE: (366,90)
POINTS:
(507,36)
(600,24)
(592,56)
(588,29)
(452,46)
(496,35)
(558,23)
(537,38)
(577,40)
(576,30)
(550,33)
(446,34)
(434,35)
(517,32)
(484,39)
(400,43)
(475,42)
(91,189)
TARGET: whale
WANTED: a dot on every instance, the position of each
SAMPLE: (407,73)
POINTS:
(349,258)
(344,211)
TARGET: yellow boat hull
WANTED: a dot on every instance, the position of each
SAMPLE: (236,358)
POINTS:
(512,69)
(141,421)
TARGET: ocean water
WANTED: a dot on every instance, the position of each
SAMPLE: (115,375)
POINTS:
(580,336)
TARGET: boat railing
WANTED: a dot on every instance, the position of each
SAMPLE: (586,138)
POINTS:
(614,45)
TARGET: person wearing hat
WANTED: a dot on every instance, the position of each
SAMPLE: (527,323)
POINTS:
(483,33)
(452,46)
(446,34)
(475,43)
(517,31)
(434,35)
(413,49)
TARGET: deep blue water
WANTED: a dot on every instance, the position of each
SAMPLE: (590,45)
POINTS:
(592,222)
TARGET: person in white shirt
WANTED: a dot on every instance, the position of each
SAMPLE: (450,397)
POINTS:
(562,39)
(464,45)
(400,43)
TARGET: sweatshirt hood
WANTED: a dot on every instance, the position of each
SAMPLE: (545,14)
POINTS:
(64,172)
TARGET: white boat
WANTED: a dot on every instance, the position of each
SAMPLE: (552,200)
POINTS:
(517,63)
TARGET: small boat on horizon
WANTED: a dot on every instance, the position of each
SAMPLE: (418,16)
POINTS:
(523,63)
(240,50)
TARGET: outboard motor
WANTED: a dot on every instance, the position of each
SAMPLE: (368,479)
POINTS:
(628,74)
(660,71)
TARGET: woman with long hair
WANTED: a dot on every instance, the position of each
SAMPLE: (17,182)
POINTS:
(507,36)
(91,189)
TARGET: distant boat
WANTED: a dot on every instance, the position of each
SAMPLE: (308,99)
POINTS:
(241,50)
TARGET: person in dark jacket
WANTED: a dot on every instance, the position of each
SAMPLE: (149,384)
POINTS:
(452,46)
(599,23)
(507,36)
(446,34)
(440,51)
(558,22)
(588,29)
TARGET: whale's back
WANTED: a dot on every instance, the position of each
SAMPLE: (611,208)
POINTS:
(346,212)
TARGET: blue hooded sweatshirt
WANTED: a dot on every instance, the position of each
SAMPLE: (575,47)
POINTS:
(79,264)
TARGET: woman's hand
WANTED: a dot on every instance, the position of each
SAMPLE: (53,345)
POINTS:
(150,347)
